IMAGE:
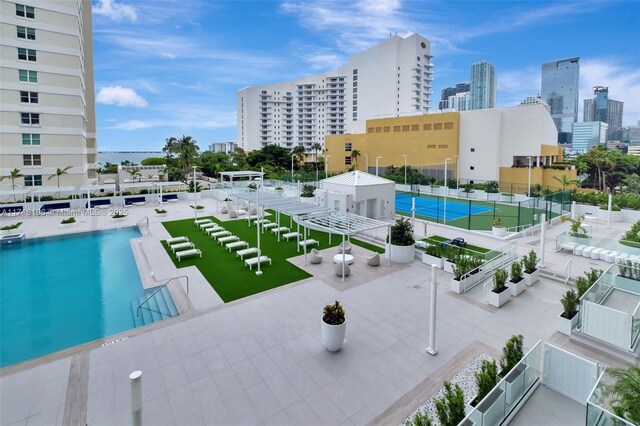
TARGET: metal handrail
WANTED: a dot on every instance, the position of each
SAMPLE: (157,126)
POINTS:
(144,219)
(160,288)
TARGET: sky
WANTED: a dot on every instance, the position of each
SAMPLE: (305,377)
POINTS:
(168,68)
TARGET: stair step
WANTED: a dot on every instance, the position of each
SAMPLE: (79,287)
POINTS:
(137,320)
(166,294)
(154,309)
(162,304)
(145,314)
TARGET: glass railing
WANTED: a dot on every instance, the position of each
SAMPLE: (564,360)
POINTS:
(565,237)
(598,413)
(635,327)
(601,287)
(500,402)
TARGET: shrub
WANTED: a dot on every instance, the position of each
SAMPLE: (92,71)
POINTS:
(582,286)
(402,233)
(512,353)
(461,267)
(633,234)
(516,272)
(333,314)
(160,211)
(69,220)
(190,184)
(624,393)
(486,379)
(278,188)
(450,409)
(144,191)
(506,194)
(569,301)
(308,191)
(493,187)
(529,262)
(499,279)
(420,419)
(119,215)
(198,207)
(498,223)
(252,186)
(10,227)
(576,229)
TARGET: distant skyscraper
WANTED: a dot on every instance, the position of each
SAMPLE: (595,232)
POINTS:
(606,110)
(587,135)
(535,100)
(559,89)
(483,86)
(452,91)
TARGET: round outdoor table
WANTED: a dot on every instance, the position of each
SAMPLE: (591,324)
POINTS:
(347,258)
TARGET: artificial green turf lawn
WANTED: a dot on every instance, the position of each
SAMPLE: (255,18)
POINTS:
(228,275)
(439,239)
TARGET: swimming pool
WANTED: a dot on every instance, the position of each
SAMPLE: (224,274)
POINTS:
(59,292)
(435,207)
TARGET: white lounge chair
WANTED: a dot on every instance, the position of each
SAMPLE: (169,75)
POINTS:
(176,240)
(569,246)
(213,229)
(182,246)
(595,253)
(603,254)
(236,245)
(245,252)
(337,268)
(229,239)
(621,257)
(187,253)
(263,222)
(289,235)
(255,260)
(374,260)
(269,225)
(201,221)
(308,243)
(208,225)
(216,235)
(578,250)
(315,256)
(280,230)
(587,251)
(346,246)
(252,217)
(611,257)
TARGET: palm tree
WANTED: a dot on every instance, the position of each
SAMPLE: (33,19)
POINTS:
(13,175)
(134,172)
(170,146)
(187,149)
(99,172)
(625,392)
(354,156)
(316,147)
(565,181)
(298,152)
(59,172)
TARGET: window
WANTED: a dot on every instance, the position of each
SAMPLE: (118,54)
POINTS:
(472,168)
(355,102)
(378,129)
(370,130)
(443,146)
(355,78)
(26,54)
(437,126)
(406,128)
(473,150)
(25,11)
(30,139)
(26,33)
(415,127)
(29,119)
(347,146)
(448,126)
(355,84)
(28,76)
(355,71)
(33,180)
(426,127)
(31,160)
(386,129)
(29,97)
(396,128)
(347,161)
(431,147)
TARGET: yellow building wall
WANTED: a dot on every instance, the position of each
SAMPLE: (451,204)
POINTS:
(424,139)
(519,176)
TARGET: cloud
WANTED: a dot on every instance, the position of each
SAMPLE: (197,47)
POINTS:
(623,82)
(183,117)
(515,85)
(116,11)
(121,96)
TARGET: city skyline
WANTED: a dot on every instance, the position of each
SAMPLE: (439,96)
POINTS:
(179,71)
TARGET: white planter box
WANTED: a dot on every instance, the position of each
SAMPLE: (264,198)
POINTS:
(432,260)
(499,299)
(118,219)
(161,214)
(67,225)
(457,286)
(514,383)
(565,325)
(532,278)
(499,231)
(517,288)
(400,254)
(493,196)
(491,410)
(448,266)
(308,200)
(333,335)
(463,194)
(615,216)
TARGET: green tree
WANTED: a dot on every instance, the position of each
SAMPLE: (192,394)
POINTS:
(153,161)
(187,150)
(212,163)
(170,147)
(298,152)
(239,158)
(625,393)
(273,155)
(486,379)
(13,175)
(512,353)
(420,419)
(316,147)
(450,408)
(564,181)
(134,172)
(59,172)
(99,172)
(354,156)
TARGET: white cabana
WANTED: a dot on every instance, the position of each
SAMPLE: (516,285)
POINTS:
(40,192)
(162,185)
(359,193)
(95,187)
(6,194)
(239,175)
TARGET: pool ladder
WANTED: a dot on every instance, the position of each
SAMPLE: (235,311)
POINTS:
(141,222)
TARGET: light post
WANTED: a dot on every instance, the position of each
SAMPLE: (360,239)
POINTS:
(458,174)
(258,221)
(529,180)
(377,158)
(292,167)
(446,190)
(326,166)
(366,159)
(195,200)
(405,171)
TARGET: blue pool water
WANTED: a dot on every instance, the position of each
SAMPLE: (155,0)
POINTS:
(59,292)
(435,207)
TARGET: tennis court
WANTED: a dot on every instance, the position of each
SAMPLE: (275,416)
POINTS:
(435,207)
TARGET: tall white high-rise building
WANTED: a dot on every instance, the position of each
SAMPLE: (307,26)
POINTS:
(483,86)
(392,78)
(47,113)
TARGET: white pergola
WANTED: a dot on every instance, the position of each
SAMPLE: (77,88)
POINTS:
(162,185)
(6,194)
(95,187)
(240,174)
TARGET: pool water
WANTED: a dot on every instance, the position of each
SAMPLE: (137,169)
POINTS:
(435,207)
(59,292)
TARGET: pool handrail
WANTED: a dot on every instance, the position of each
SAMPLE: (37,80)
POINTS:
(160,288)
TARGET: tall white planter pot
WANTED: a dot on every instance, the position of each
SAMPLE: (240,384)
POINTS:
(531,278)
(517,288)
(566,325)
(333,335)
(499,231)
(499,299)
(400,254)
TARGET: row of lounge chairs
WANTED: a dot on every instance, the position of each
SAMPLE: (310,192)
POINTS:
(182,247)
(592,252)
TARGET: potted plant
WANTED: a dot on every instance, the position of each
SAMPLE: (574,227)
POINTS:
(576,229)
(7,228)
(433,255)
(461,275)
(191,190)
(227,202)
(511,369)
(435,189)
(517,283)
(468,189)
(400,247)
(67,223)
(531,272)
(279,190)
(451,408)
(307,195)
(198,207)
(499,295)
(569,316)
(161,212)
(334,327)
(498,228)
(118,217)
(486,380)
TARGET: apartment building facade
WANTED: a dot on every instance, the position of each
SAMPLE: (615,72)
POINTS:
(390,79)
(47,113)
